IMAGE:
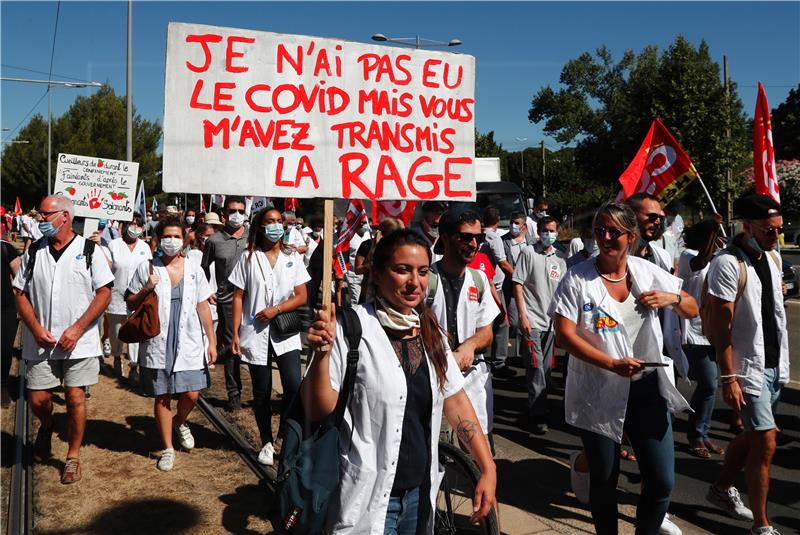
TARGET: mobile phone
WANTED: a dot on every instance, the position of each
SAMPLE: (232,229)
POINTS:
(653,364)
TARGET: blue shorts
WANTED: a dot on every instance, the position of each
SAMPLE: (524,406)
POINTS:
(759,412)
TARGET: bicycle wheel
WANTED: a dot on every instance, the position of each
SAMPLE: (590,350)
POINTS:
(454,501)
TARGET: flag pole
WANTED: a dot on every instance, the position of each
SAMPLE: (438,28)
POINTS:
(710,200)
(327,258)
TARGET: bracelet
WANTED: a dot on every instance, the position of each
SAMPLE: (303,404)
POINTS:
(727,376)
(680,298)
(279,309)
(729,382)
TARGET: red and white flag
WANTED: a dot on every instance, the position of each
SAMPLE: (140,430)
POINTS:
(219,200)
(353,219)
(202,204)
(291,204)
(765,175)
(402,210)
(661,167)
(17,207)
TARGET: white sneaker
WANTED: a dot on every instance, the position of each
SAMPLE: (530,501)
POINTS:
(267,455)
(578,480)
(185,438)
(766,530)
(106,347)
(668,527)
(730,502)
(167,460)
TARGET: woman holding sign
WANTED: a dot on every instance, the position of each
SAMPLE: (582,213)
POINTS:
(405,378)
(174,361)
(606,315)
(270,280)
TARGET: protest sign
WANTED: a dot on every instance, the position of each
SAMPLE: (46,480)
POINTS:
(98,187)
(258,113)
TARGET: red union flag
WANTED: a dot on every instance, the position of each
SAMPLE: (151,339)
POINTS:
(353,219)
(17,207)
(660,167)
(766,178)
(402,210)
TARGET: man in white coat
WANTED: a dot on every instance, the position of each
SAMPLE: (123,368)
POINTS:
(61,294)
(463,303)
(748,330)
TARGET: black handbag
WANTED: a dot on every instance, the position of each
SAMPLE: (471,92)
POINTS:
(287,323)
(308,473)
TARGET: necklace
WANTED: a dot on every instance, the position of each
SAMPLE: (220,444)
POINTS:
(609,279)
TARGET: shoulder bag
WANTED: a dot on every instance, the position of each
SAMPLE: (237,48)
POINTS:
(143,324)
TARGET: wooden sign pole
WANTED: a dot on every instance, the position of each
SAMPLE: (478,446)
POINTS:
(327,256)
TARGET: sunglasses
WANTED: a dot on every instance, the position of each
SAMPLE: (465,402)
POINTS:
(770,230)
(613,232)
(467,237)
(653,217)
(231,211)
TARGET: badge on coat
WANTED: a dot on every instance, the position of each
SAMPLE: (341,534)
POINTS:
(587,307)
(605,323)
(473,293)
(554,272)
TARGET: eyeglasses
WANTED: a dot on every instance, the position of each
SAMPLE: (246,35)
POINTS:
(45,215)
(467,237)
(231,211)
(613,232)
(653,217)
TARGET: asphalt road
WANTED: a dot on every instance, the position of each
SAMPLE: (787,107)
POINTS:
(693,475)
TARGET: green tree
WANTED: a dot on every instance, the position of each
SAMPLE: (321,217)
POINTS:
(606,108)
(786,127)
(92,126)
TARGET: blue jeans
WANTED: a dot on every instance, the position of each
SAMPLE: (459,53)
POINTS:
(649,428)
(401,515)
(703,369)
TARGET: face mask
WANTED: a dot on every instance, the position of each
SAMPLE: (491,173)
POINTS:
(589,244)
(190,220)
(134,232)
(433,232)
(315,234)
(540,214)
(47,229)
(752,242)
(365,228)
(273,231)
(548,238)
(515,230)
(235,220)
(171,246)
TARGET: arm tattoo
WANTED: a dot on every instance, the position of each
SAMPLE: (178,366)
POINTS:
(465,430)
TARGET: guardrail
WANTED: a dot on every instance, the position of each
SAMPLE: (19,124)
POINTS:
(20,501)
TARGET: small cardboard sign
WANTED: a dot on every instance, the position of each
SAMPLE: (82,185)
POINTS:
(98,187)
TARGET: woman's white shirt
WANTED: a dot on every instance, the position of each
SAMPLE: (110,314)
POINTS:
(373,425)
(693,284)
(124,262)
(191,352)
(266,286)
(597,399)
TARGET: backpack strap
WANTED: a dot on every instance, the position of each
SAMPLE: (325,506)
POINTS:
(433,284)
(351,325)
(32,250)
(739,254)
(774,256)
(88,252)
(478,280)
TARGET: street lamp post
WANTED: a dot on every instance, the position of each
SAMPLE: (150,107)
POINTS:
(416,42)
(522,162)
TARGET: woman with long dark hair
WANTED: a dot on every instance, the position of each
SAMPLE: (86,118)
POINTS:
(406,378)
(270,279)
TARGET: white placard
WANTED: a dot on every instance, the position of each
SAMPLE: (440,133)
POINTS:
(98,187)
(258,113)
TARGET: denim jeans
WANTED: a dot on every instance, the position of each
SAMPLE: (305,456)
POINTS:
(401,515)
(261,377)
(703,369)
(649,428)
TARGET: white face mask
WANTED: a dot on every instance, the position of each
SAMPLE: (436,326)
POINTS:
(235,220)
(171,246)
(190,220)
(134,232)
(315,234)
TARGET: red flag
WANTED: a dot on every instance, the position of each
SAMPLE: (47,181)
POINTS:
(17,208)
(766,178)
(402,210)
(291,204)
(353,219)
(660,167)
(202,204)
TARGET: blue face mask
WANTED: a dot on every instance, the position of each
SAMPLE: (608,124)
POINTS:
(273,231)
(548,238)
(47,229)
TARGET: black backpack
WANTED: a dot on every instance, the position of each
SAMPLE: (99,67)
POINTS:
(308,473)
(41,243)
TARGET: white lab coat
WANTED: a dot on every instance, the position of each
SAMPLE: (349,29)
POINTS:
(597,399)
(191,352)
(265,286)
(747,336)
(60,293)
(673,335)
(471,315)
(123,264)
(373,424)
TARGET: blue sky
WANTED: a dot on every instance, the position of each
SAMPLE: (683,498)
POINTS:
(519,46)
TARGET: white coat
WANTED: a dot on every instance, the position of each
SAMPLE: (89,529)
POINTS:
(373,424)
(747,336)
(265,286)
(123,264)
(597,399)
(471,314)
(60,293)
(673,335)
(191,353)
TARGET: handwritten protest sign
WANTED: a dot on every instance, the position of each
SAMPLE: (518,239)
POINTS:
(259,113)
(99,188)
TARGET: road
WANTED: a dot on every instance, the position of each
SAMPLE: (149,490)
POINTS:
(533,473)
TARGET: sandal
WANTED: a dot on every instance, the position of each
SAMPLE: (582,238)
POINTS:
(699,450)
(713,448)
(627,455)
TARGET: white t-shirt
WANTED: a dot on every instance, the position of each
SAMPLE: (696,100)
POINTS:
(693,284)
(123,264)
